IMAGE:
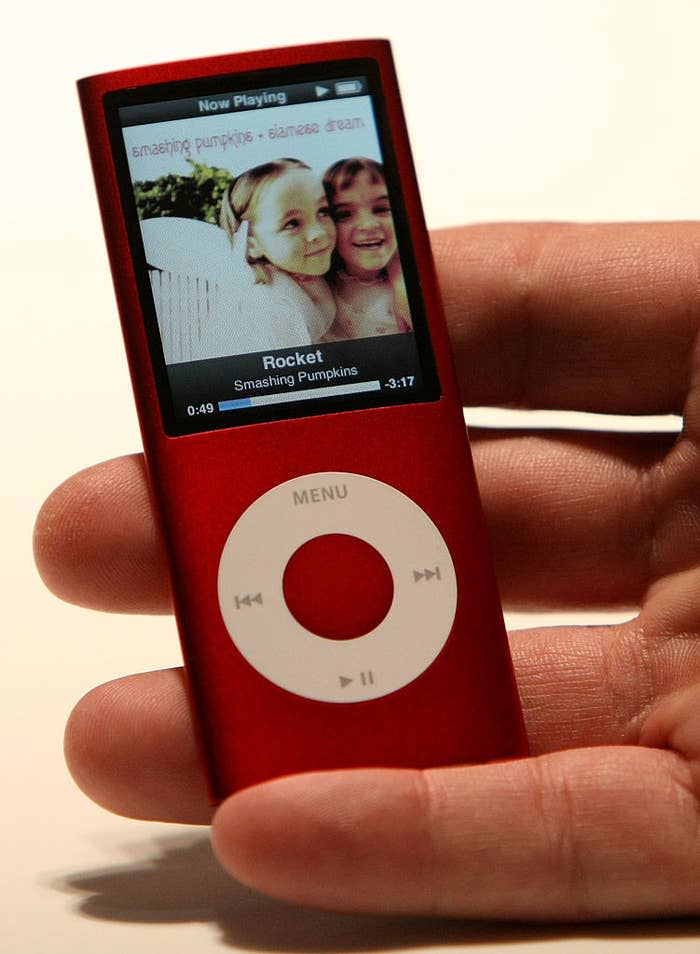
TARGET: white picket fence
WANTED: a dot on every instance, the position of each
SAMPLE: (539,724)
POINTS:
(184,258)
(206,300)
(184,305)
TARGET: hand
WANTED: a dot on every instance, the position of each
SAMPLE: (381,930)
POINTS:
(602,820)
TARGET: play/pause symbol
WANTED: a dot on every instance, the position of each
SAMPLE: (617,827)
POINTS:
(366,678)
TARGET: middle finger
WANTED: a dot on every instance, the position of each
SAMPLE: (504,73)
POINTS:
(569,517)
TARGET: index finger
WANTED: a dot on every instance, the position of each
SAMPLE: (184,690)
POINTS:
(578,317)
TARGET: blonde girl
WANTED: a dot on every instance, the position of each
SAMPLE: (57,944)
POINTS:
(279,213)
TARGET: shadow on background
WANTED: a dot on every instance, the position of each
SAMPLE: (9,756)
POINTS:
(177,879)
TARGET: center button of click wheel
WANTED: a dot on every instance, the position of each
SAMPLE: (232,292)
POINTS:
(338,586)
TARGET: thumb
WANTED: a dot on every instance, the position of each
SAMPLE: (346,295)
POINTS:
(579,835)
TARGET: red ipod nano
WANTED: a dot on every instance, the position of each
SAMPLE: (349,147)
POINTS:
(333,587)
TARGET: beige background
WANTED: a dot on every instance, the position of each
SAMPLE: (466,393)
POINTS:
(518,110)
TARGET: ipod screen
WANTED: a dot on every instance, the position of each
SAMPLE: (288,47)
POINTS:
(271,244)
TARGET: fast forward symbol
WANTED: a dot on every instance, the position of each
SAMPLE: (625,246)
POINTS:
(427,574)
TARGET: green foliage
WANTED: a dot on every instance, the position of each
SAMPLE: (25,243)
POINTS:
(197,196)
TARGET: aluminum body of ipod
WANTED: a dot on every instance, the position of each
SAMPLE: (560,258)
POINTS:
(295,387)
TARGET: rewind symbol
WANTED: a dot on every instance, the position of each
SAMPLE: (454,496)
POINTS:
(248,600)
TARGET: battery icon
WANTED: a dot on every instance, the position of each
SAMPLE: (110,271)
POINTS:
(348,87)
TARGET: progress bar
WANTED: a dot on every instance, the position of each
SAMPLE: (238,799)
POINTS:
(308,395)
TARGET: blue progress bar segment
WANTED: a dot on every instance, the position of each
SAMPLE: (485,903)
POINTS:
(308,395)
